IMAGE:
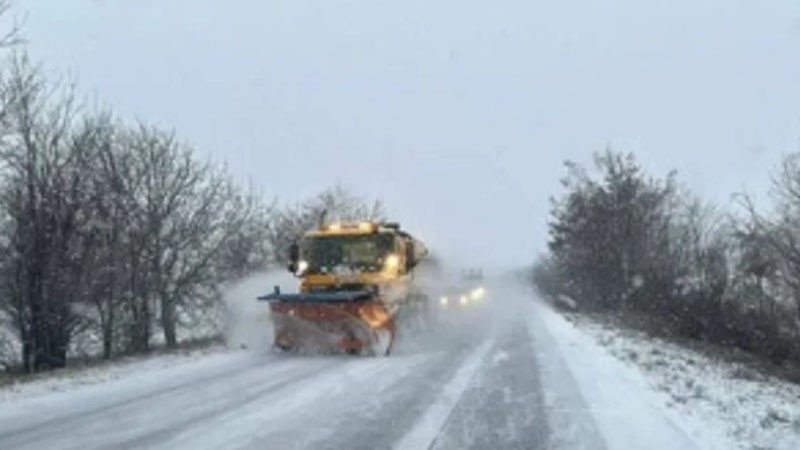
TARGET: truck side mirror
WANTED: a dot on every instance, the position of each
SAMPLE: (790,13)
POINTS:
(294,257)
(410,260)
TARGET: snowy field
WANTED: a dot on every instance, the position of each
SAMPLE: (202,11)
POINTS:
(738,403)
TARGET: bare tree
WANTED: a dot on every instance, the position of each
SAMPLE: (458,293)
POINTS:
(102,251)
(184,215)
(249,249)
(42,198)
(610,236)
(780,232)
(333,204)
(11,36)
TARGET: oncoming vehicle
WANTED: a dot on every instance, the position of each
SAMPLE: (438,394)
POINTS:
(356,282)
(470,293)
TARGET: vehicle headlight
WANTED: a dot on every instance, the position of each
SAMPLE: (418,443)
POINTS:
(392,262)
(302,266)
(477,294)
(444,301)
(463,300)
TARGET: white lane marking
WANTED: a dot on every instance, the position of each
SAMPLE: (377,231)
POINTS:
(428,426)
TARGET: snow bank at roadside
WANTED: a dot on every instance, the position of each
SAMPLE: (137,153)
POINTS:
(72,378)
(750,410)
(616,399)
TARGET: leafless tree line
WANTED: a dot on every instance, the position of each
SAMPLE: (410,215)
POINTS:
(624,242)
(108,226)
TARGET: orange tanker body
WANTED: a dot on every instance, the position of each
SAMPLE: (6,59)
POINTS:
(356,282)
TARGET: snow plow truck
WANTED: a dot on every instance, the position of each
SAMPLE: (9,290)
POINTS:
(356,283)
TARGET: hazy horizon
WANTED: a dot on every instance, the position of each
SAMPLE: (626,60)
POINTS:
(458,115)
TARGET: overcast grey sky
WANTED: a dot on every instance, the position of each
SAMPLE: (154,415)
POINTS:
(457,113)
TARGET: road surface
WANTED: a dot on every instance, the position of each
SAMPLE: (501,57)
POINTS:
(511,382)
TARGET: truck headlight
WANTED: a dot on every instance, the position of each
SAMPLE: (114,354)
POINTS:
(444,301)
(392,262)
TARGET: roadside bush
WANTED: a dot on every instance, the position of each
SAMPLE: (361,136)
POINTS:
(623,241)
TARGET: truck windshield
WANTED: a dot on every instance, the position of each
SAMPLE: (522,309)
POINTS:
(360,252)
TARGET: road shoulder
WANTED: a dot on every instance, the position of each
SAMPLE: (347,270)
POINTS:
(714,396)
(627,412)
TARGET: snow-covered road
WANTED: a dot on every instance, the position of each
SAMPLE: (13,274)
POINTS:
(527,380)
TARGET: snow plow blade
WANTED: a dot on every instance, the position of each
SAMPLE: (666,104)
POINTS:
(336,296)
(351,321)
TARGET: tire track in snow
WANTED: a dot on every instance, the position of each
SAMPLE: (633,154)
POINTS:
(164,433)
(90,429)
(367,404)
(77,415)
(315,414)
(503,406)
